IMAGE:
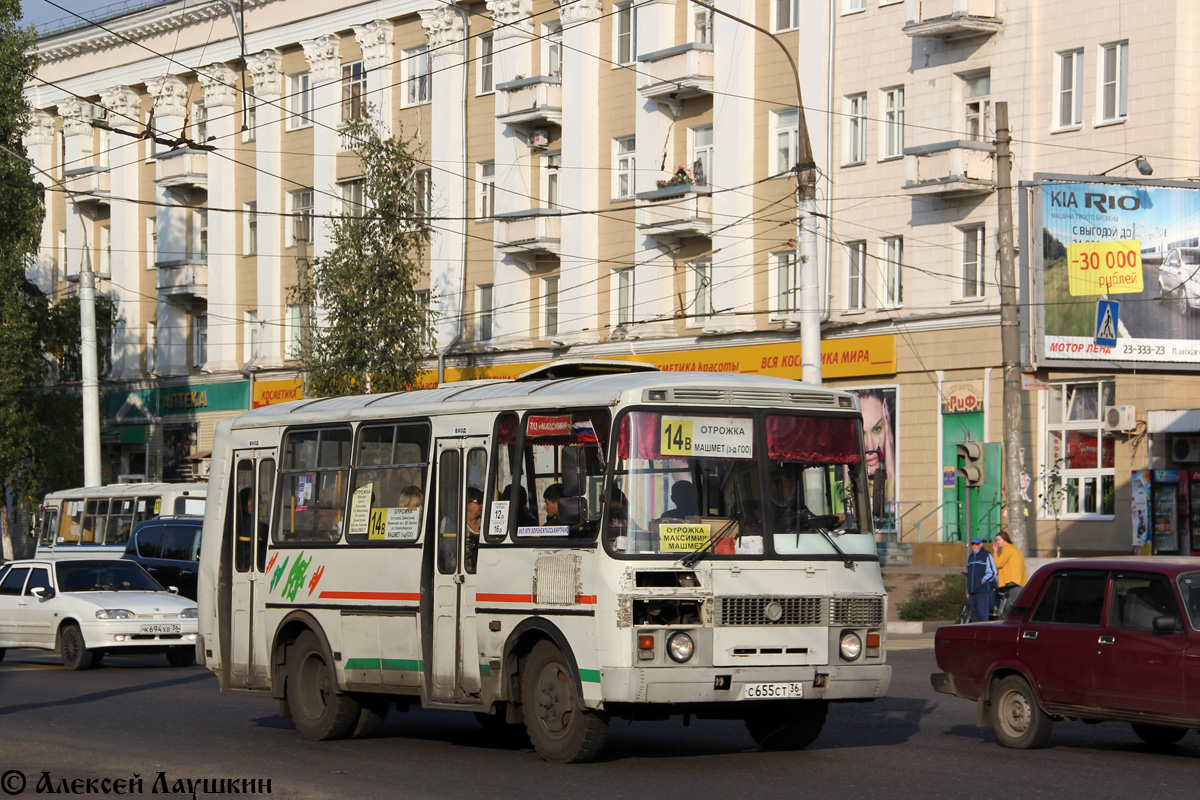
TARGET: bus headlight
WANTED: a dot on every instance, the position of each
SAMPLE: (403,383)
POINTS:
(114,613)
(851,645)
(680,647)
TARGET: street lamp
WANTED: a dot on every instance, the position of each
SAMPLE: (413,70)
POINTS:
(806,217)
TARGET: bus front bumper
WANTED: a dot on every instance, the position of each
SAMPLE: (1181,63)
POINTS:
(720,685)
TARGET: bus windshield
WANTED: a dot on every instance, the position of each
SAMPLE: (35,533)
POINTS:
(761,484)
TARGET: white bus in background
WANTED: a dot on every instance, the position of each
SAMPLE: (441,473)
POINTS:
(710,552)
(97,520)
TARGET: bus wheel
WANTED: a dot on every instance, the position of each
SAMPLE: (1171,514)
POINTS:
(181,656)
(74,655)
(791,726)
(559,727)
(318,709)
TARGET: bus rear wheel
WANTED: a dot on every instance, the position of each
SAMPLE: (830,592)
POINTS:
(560,728)
(791,726)
(319,711)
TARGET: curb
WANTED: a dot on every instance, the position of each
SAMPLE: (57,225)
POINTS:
(916,627)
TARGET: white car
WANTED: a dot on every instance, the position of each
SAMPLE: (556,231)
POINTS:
(84,608)
(1179,277)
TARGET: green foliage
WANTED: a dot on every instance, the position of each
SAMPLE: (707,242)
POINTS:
(368,330)
(935,600)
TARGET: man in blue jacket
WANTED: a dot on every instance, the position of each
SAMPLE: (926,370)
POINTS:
(981,572)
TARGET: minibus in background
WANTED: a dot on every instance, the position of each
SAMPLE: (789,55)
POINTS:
(96,520)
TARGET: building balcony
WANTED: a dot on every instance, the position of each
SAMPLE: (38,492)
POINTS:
(952,168)
(186,278)
(88,185)
(951,19)
(529,233)
(684,71)
(181,167)
(675,212)
(531,102)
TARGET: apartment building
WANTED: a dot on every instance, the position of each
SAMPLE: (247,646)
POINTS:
(617,179)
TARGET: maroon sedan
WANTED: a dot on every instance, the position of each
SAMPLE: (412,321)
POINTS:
(1088,639)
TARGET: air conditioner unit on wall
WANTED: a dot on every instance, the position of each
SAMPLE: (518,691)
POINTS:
(1120,418)
(1185,449)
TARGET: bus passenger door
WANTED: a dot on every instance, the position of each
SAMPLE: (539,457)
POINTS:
(247,524)
(454,668)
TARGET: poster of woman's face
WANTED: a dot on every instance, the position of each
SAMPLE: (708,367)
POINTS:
(879,443)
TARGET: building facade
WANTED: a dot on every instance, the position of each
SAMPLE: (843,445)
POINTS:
(617,179)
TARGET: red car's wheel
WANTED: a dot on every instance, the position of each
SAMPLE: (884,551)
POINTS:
(1016,716)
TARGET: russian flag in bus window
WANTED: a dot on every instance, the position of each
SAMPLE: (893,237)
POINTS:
(584,432)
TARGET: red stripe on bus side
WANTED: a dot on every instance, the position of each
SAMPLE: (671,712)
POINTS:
(370,596)
(581,599)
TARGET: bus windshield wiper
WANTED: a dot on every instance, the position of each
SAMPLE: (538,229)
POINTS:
(847,561)
(691,558)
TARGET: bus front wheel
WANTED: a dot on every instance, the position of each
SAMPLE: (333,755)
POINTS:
(791,726)
(559,726)
(319,711)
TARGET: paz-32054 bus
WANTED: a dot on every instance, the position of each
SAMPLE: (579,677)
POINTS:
(591,540)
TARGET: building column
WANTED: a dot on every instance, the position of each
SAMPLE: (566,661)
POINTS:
(77,138)
(579,187)
(220,98)
(170,112)
(124,113)
(375,39)
(447,246)
(267,72)
(325,69)
(654,274)
(512,56)
(733,165)
(39,144)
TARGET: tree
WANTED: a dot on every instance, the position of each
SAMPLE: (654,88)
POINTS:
(368,327)
(24,310)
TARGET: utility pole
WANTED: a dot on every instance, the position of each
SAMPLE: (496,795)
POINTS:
(806,221)
(1010,343)
(91,374)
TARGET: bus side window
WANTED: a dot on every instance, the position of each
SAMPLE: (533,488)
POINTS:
(314,475)
(243,516)
(473,510)
(504,468)
(266,489)
(449,490)
(392,461)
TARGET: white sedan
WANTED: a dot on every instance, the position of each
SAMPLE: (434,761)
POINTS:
(84,608)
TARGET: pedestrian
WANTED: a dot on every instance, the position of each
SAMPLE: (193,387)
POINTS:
(1010,564)
(981,571)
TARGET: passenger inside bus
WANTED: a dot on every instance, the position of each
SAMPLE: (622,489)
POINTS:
(411,497)
(686,500)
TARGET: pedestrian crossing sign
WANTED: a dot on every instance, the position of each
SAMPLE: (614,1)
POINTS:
(1106,322)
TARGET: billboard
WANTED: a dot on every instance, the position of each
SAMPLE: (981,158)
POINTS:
(1089,238)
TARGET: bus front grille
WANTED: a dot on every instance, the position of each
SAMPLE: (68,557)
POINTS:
(856,611)
(770,611)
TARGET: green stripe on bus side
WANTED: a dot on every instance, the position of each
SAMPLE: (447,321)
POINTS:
(411,665)
(589,675)
(485,670)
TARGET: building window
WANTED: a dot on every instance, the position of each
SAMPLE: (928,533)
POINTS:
(425,301)
(552,48)
(486,43)
(1070,90)
(250,228)
(786,13)
(151,347)
(702,24)
(699,292)
(785,133)
(252,336)
(625,159)
(893,122)
(301,202)
(972,261)
(786,282)
(625,33)
(295,330)
(977,89)
(550,166)
(423,187)
(251,101)
(151,244)
(485,182)
(855,5)
(300,101)
(199,341)
(352,197)
(893,275)
(415,69)
(625,297)
(1114,81)
(856,285)
(105,265)
(549,307)
(702,153)
(354,86)
(199,123)
(856,129)
(1080,468)
(486,312)
(200,243)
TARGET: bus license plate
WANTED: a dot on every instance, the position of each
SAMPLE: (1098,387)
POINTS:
(767,691)
(160,629)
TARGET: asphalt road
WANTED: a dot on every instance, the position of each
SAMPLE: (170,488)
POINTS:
(134,715)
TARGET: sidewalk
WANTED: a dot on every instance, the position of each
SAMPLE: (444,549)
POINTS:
(912,635)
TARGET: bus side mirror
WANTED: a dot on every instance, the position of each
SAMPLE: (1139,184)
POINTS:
(572,510)
(573,477)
